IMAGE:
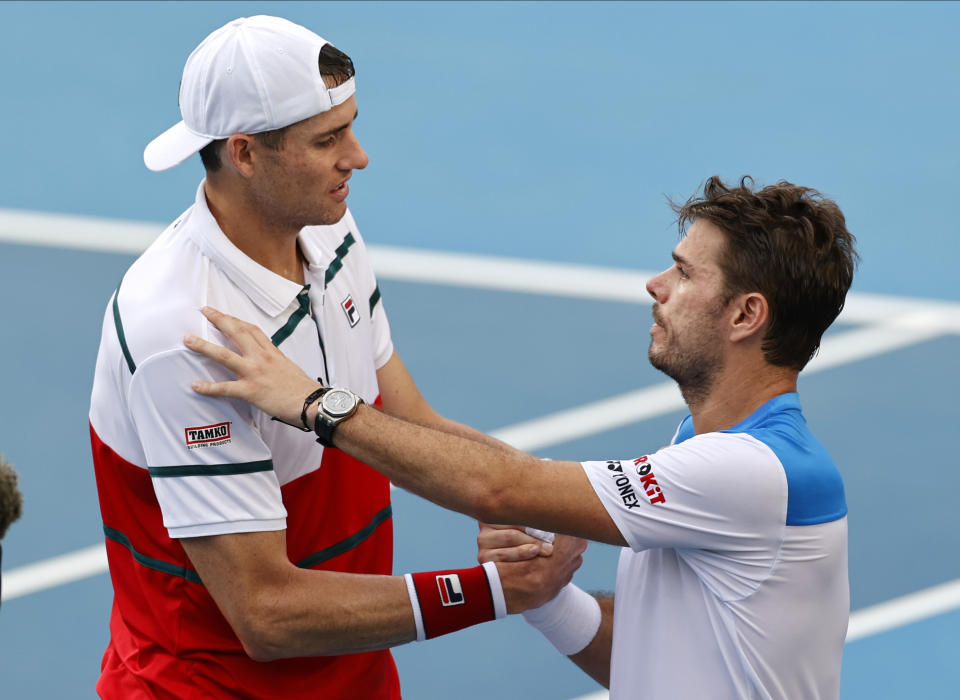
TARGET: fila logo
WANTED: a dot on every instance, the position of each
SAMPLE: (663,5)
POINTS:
(351,310)
(450,591)
(648,482)
(208,435)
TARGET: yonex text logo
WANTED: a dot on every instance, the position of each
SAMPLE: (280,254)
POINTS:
(450,591)
(647,480)
(350,309)
(627,494)
(208,435)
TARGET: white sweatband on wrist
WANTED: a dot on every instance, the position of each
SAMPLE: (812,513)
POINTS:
(414,601)
(496,590)
(570,621)
(540,534)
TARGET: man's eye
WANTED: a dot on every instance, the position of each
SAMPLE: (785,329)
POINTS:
(682,272)
(327,142)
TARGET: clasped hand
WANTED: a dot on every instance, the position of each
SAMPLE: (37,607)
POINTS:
(532,571)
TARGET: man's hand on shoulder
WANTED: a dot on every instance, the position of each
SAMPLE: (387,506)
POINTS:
(265,376)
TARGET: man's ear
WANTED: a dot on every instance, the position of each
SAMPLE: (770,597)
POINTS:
(238,152)
(750,313)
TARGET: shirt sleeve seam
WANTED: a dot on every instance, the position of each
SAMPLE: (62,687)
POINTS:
(783,527)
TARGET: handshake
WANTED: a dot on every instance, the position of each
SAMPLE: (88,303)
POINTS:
(533,565)
(535,570)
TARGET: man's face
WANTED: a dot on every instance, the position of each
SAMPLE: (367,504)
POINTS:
(687,340)
(305,182)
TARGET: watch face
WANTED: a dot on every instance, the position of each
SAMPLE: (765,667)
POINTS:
(338,402)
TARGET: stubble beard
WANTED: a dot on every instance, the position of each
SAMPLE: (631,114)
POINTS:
(296,215)
(693,368)
(273,199)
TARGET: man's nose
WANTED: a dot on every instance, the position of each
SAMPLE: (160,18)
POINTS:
(355,158)
(656,287)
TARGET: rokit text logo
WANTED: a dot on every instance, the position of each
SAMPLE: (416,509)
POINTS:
(648,481)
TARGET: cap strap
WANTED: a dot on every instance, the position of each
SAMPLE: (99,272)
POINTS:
(342,92)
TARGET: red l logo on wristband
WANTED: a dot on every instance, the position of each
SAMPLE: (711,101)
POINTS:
(450,591)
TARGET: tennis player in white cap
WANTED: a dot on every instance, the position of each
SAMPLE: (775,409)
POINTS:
(232,538)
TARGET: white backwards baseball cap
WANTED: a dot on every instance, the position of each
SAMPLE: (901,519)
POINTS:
(253,74)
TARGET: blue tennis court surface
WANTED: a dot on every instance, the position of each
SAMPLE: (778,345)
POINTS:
(544,135)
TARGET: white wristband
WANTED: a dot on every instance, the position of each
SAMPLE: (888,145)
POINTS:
(540,534)
(570,621)
(415,603)
(496,590)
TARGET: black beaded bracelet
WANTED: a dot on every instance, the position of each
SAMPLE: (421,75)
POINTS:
(306,403)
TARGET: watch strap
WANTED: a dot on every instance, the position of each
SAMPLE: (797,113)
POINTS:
(323,427)
(313,396)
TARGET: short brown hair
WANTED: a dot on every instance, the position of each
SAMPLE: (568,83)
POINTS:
(335,66)
(789,243)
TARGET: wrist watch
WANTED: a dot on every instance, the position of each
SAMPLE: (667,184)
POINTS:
(335,405)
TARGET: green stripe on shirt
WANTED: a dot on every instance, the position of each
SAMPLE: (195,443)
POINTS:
(334,267)
(264,465)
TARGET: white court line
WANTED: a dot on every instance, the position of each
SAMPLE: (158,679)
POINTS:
(896,322)
(659,399)
(601,283)
(76,232)
(912,607)
(432,267)
(592,418)
(894,333)
(55,571)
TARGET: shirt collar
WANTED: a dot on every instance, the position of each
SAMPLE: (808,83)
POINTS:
(778,404)
(271,292)
(784,402)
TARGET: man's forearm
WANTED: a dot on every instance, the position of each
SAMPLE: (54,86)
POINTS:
(452,427)
(361,613)
(426,461)
(487,483)
(279,610)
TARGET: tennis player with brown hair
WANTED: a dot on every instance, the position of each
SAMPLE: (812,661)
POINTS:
(733,578)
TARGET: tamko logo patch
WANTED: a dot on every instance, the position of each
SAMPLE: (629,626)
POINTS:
(208,435)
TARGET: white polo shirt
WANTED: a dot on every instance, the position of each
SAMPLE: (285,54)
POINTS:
(218,465)
(171,464)
(735,581)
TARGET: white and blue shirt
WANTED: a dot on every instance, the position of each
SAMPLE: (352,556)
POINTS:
(735,581)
